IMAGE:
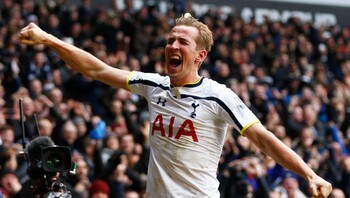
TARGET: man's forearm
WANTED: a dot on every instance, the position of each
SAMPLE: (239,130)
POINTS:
(87,64)
(79,60)
(268,143)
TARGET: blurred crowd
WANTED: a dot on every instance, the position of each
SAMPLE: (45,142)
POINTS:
(293,76)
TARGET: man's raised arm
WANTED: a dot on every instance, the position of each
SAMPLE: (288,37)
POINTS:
(80,60)
(282,154)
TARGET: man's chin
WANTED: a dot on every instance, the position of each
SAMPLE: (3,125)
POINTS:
(174,77)
(174,69)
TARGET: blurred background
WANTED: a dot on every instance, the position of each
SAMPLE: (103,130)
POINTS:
(289,61)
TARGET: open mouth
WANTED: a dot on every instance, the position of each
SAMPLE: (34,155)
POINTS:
(175,62)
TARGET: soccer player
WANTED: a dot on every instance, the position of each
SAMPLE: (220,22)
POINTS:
(189,114)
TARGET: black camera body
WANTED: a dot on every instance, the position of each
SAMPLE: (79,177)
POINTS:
(49,164)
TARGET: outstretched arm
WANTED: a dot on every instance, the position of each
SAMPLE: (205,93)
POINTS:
(282,154)
(80,60)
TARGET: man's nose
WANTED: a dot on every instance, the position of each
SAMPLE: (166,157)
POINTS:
(175,45)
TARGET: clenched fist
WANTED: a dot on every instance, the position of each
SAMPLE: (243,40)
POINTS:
(320,188)
(32,35)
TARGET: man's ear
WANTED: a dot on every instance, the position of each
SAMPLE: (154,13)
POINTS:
(202,54)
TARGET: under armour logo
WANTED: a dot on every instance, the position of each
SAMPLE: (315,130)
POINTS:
(161,101)
(193,114)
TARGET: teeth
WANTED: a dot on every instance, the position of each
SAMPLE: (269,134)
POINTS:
(175,57)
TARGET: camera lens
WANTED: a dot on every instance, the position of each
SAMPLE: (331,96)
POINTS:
(55,160)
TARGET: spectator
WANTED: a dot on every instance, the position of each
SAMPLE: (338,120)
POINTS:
(9,184)
(111,146)
(7,136)
(35,88)
(92,156)
(45,126)
(99,189)
(345,181)
(82,128)
(295,121)
(69,134)
(39,68)
(81,181)
(120,176)
(28,111)
(290,187)
(131,194)
(337,193)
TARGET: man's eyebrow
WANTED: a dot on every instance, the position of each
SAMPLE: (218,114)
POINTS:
(179,38)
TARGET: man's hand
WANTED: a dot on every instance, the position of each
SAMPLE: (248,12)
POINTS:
(320,187)
(32,35)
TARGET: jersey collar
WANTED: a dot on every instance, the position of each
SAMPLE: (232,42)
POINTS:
(196,84)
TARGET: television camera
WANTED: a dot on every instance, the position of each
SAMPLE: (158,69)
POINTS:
(48,165)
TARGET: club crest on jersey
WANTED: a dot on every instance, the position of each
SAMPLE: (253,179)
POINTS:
(193,114)
(161,101)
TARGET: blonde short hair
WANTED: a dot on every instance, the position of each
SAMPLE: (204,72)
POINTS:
(205,37)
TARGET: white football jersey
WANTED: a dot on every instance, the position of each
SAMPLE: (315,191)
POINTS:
(188,129)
